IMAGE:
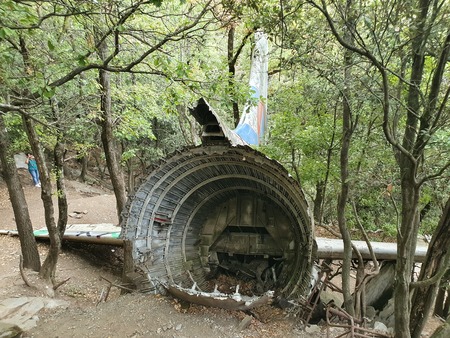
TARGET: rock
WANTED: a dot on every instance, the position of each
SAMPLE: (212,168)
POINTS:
(8,330)
(285,304)
(386,316)
(380,288)
(245,323)
(380,327)
(312,329)
(370,313)
(84,212)
(22,311)
(328,296)
(167,327)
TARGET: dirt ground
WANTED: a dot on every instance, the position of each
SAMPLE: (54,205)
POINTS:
(91,269)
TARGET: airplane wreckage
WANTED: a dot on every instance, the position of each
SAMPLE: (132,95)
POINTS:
(223,206)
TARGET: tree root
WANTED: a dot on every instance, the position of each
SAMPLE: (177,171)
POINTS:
(57,285)
(22,272)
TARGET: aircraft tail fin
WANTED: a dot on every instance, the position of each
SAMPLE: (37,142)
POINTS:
(253,122)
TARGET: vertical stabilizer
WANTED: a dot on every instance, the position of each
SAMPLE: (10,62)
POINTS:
(252,125)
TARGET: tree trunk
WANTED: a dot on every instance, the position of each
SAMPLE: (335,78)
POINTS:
(84,167)
(108,141)
(345,186)
(406,245)
(318,201)
(232,58)
(48,268)
(440,301)
(28,244)
(424,297)
(446,310)
(342,222)
(61,187)
(232,74)
(58,159)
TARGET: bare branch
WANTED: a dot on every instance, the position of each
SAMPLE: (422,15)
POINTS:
(424,135)
(4,108)
(366,238)
(444,266)
(435,175)
(174,36)
(381,68)
(57,285)
(42,19)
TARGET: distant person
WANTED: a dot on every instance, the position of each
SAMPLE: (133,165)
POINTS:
(33,169)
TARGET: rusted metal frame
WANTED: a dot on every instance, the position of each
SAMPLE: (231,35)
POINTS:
(166,253)
(353,329)
(192,156)
(156,185)
(317,289)
(250,165)
(185,174)
(332,286)
(191,216)
(328,281)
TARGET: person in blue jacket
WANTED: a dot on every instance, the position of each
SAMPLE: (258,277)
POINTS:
(33,169)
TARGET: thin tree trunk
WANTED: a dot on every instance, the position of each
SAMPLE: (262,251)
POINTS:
(446,310)
(345,186)
(48,268)
(406,243)
(84,167)
(232,74)
(318,201)
(327,173)
(108,141)
(424,297)
(61,187)
(440,301)
(28,244)
(407,234)
(232,59)
(58,156)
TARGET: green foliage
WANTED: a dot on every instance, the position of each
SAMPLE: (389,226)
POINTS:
(18,138)
(49,51)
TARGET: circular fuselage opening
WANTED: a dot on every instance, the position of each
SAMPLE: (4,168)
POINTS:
(248,241)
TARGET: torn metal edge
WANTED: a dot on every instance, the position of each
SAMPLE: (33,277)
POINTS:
(234,301)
